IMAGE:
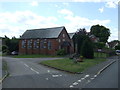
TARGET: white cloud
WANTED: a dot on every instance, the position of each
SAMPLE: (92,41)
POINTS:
(81,22)
(114,34)
(65,12)
(111,4)
(75,22)
(14,24)
(101,9)
(34,3)
(94,0)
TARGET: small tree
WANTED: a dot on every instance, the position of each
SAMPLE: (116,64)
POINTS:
(4,49)
(79,38)
(87,49)
(117,47)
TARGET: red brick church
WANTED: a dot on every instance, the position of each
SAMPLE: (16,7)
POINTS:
(46,41)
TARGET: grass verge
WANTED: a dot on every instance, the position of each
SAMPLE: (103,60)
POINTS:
(33,56)
(70,66)
(100,55)
(4,66)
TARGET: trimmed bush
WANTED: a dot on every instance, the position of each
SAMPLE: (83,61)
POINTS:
(4,48)
(117,47)
(87,49)
(61,52)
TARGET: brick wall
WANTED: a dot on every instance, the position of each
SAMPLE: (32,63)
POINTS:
(55,45)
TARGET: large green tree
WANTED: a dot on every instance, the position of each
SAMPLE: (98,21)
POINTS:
(101,32)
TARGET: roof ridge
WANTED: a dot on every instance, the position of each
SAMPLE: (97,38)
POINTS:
(46,28)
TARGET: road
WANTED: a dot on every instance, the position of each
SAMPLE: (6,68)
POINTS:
(107,79)
(28,73)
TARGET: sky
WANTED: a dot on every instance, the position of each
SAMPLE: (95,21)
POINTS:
(17,16)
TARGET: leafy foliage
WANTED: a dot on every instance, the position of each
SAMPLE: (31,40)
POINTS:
(87,49)
(4,48)
(61,52)
(12,44)
(99,45)
(117,47)
(79,38)
(101,32)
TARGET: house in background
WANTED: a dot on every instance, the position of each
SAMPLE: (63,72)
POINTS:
(45,41)
(112,44)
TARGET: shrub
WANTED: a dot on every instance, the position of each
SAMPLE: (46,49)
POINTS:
(61,52)
(117,47)
(4,48)
(99,45)
(87,49)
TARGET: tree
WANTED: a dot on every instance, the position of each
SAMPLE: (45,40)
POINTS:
(101,32)
(117,47)
(87,49)
(4,48)
(79,38)
(99,45)
(12,44)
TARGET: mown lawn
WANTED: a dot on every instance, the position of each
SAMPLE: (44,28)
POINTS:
(33,56)
(69,65)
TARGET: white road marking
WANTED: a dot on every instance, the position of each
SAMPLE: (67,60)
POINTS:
(31,68)
(56,75)
(71,86)
(87,76)
(82,78)
(75,83)
(34,70)
(26,65)
(79,80)
(60,75)
(37,72)
(95,75)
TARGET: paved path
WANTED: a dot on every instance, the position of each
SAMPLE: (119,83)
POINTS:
(27,73)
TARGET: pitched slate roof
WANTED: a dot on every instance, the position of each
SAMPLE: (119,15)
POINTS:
(71,35)
(42,33)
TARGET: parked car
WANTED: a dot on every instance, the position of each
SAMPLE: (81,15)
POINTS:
(14,53)
(118,52)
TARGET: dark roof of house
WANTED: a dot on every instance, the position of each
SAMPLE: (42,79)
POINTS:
(112,44)
(43,33)
(71,35)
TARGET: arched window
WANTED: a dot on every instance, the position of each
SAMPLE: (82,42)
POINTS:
(23,43)
(49,45)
